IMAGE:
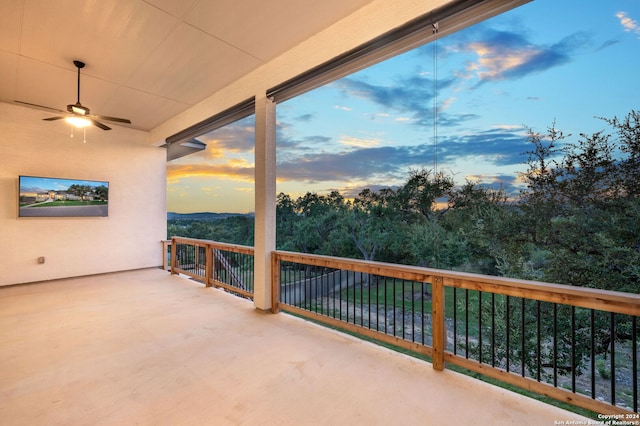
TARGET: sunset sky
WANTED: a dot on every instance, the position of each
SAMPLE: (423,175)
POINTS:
(562,61)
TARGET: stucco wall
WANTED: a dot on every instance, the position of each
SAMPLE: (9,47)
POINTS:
(128,238)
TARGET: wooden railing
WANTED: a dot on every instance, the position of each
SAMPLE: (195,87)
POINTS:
(576,345)
(229,266)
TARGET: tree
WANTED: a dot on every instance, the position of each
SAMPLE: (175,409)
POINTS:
(286,217)
(368,222)
(79,190)
(481,219)
(421,192)
(101,193)
(580,209)
(306,223)
(541,201)
(628,138)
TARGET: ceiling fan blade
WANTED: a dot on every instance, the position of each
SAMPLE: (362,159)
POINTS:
(39,106)
(52,118)
(116,119)
(99,124)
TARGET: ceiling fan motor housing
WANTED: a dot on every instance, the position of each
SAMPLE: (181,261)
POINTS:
(78,109)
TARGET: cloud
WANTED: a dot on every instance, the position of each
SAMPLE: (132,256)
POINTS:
(287,144)
(352,192)
(234,140)
(492,55)
(304,118)
(629,24)
(233,171)
(346,165)
(236,137)
(512,127)
(502,55)
(408,95)
(357,142)
(606,44)
(412,97)
(497,147)
(494,181)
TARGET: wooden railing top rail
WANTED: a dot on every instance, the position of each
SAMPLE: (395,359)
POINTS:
(237,248)
(604,300)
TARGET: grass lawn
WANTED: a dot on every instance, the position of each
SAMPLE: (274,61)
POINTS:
(60,203)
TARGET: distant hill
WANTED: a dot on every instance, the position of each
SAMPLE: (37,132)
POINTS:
(204,216)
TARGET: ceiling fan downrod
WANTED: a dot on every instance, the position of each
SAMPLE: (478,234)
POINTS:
(80,65)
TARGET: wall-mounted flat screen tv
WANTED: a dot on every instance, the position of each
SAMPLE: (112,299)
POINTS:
(57,197)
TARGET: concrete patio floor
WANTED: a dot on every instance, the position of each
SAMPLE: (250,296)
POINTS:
(148,348)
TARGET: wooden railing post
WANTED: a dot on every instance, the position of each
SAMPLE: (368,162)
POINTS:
(275,283)
(173,255)
(165,264)
(208,265)
(438,323)
(196,263)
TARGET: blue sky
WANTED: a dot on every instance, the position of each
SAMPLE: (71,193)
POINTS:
(549,61)
(42,184)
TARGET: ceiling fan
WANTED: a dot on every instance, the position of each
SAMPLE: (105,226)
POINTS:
(78,114)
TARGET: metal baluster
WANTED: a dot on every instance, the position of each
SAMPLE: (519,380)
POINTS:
(413,312)
(422,284)
(369,301)
(613,358)
(386,317)
(522,338)
(573,348)
(480,327)
(404,311)
(394,307)
(555,345)
(493,329)
(455,321)
(339,291)
(634,356)
(538,348)
(466,323)
(593,354)
(508,328)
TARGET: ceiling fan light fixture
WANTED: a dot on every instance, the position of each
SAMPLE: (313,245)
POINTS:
(78,122)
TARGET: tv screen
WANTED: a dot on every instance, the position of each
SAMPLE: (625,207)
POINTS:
(57,197)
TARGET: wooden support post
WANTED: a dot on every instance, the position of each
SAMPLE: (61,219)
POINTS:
(275,283)
(438,323)
(173,256)
(208,265)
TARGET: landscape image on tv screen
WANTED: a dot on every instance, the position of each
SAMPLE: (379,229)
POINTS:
(56,197)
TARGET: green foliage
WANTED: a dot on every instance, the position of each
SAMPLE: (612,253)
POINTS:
(233,229)
(583,208)
(603,369)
